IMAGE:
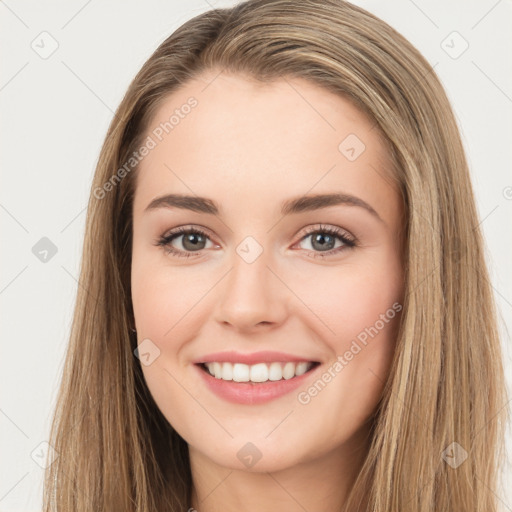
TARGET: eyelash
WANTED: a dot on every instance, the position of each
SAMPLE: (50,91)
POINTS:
(166,240)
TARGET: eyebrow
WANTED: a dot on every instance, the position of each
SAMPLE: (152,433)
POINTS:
(288,207)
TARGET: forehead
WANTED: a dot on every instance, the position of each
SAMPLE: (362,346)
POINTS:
(266,141)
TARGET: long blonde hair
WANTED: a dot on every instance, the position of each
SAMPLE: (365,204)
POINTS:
(115,449)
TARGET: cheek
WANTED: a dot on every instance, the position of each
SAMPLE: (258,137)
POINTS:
(164,297)
(357,313)
(163,302)
(348,300)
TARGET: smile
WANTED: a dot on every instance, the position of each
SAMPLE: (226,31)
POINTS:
(257,373)
(253,384)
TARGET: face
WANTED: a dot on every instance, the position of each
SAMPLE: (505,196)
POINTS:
(259,275)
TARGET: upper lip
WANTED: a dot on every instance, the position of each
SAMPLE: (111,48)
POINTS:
(266,356)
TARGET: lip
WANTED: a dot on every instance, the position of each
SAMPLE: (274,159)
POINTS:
(251,393)
(267,356)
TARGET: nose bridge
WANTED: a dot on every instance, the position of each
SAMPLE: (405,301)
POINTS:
(251,293)
(250,265)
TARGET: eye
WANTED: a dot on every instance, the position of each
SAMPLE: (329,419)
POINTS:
(323,241)
(193,240)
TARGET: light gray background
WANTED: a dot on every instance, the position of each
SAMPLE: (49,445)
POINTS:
(55,112)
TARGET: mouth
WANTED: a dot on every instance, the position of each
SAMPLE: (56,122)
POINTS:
(257,373)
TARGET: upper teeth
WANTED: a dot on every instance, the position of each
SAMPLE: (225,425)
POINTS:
(260,372)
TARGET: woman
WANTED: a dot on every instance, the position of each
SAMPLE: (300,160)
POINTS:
(284,297)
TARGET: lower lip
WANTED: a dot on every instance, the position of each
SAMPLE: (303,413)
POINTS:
(250,392)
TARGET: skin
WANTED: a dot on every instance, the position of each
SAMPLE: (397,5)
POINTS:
(250,146)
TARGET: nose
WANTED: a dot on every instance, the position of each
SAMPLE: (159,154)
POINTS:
(252,296)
